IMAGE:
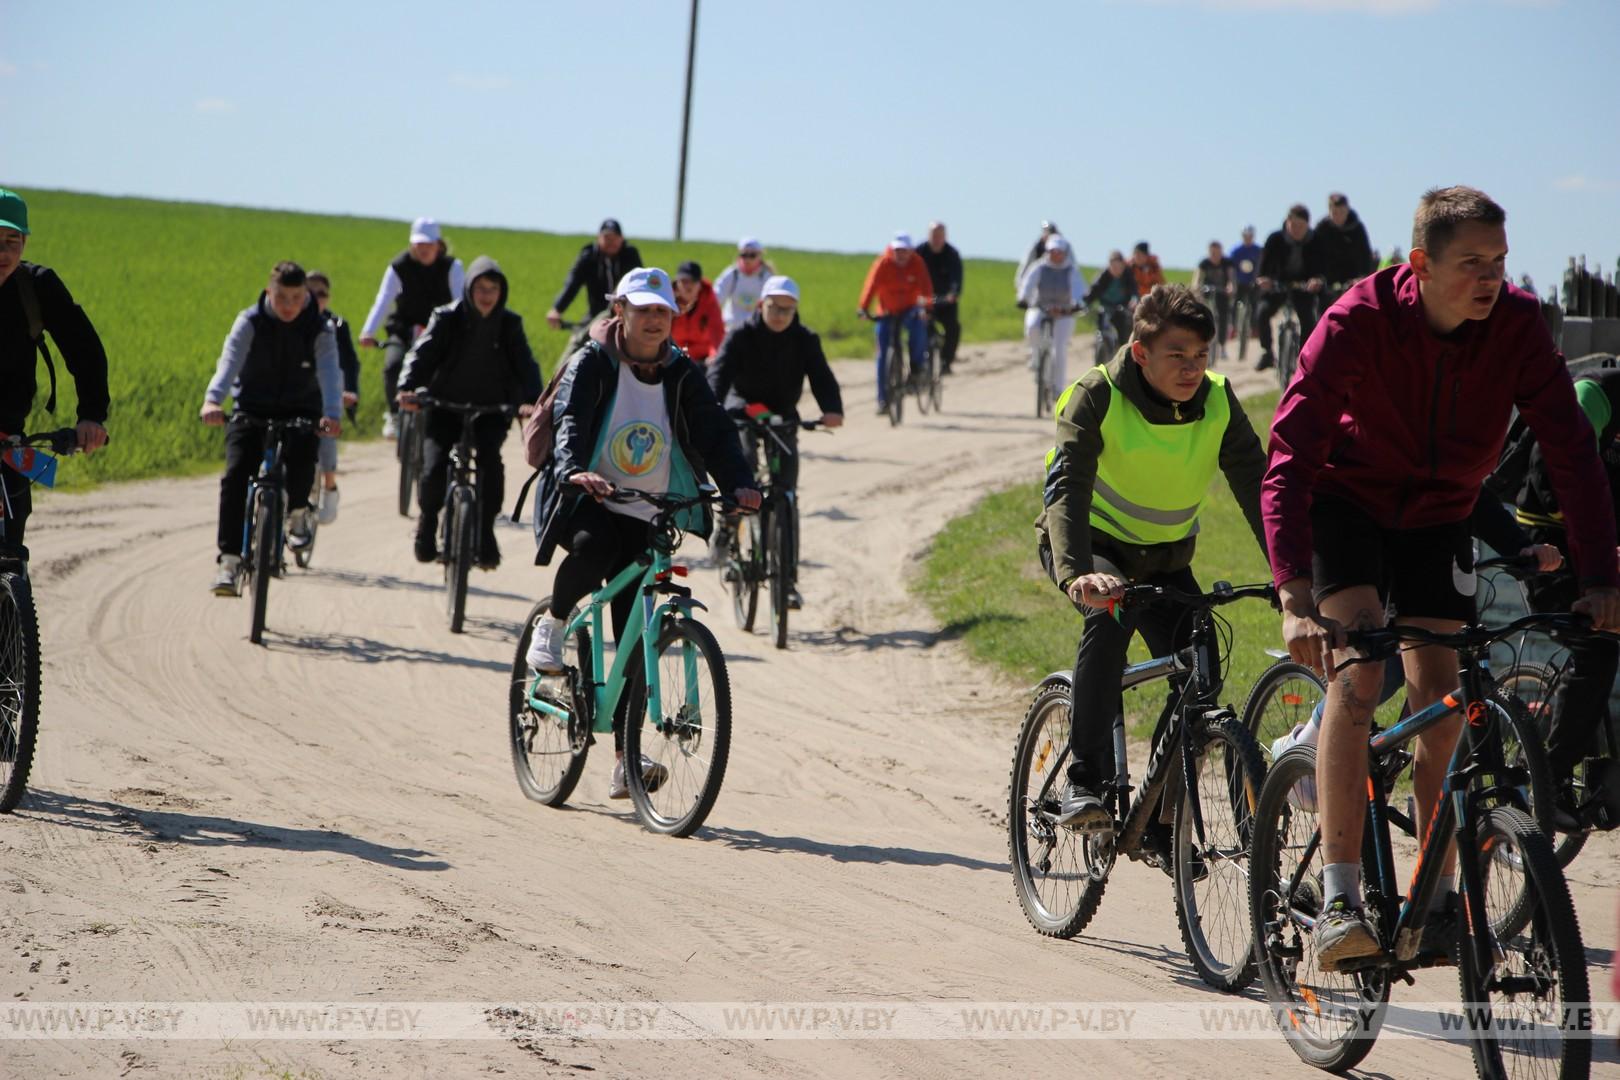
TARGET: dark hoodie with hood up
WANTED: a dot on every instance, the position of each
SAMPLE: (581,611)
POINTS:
(467,357)
(703,434)
(1343,253)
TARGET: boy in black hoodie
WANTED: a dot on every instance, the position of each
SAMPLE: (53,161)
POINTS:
(474,351)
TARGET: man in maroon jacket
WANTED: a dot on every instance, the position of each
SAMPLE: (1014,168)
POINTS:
(1378,451)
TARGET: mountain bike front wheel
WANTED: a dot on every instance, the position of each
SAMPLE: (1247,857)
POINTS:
(686,734)
(265,542)
(410,457)
(1283,697)
(746,556)
(19,686)
(460,553)
(779,542)
(894,377)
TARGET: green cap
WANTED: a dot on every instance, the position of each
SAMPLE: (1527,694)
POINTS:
(13,211)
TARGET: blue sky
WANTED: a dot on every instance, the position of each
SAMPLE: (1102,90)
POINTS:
(830,124)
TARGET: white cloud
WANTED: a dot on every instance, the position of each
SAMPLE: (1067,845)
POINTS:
(215,105)
(1582,182)
(480,83)
(7,69)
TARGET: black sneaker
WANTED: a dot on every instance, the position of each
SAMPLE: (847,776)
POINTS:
(427,547)
(795,601)
(489,552)
(1266,361)
(1082,810)
(1343,935)
(1441,933)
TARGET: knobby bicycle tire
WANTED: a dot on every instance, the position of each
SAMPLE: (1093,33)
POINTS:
(19,686)
(1216,930)
(779,537)
(1530,686)
(463,537)
(689,730)
(264,561)
(1057,902)
(561,747)
(1552,953)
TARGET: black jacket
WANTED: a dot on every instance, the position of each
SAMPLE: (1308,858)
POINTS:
(944,268)
(706,435)
(1343,254)
(443,362)
(758,365)
(348,359)
(598,275)
(1125,293)
(1274,259)
(281,375)
(423,289)
(1535,498)
(76,340)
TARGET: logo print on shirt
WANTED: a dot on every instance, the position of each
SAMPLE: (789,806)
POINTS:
(636,448)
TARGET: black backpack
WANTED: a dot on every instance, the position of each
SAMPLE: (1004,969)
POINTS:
(36,329)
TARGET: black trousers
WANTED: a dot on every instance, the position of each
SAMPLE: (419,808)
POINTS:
(1269,304)
(950,321)
(22,503)
(393,362)
(1581,701)
(600,545)
(439,437)
(244,450)
(1096,697)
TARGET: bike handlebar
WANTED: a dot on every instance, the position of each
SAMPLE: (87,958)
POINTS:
(671,503)
(1385,641)
(287,423)
(1520,567)
(61,441)
(465,408)
(1223,593)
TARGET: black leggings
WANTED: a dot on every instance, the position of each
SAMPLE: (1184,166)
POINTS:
(600,545)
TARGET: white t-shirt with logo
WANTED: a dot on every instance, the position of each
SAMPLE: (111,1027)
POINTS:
(636,451)
(739,293)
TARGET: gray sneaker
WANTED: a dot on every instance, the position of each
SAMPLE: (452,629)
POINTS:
(1343,935)
(329,506)
(652,774)
(1083,811)
(226,578)
(545,648)
(299,532)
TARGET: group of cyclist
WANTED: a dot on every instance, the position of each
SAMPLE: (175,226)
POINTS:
(908,287)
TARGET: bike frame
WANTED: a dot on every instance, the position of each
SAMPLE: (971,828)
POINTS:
(271,479)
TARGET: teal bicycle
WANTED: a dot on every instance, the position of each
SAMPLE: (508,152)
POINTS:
(670,670)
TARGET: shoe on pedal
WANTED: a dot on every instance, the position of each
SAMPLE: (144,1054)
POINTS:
(489,552)
(1083,811)
(299,531)
(427,544)
(1266,362)
(794,600)
(226,577)
(545,648)
(329,506)
(1343,935)
(652,775)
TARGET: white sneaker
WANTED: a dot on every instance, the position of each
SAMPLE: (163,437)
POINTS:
(652,774)
(390,427)
(225,580)
(298,530)
(329,506)
(1303,794)
(545,648)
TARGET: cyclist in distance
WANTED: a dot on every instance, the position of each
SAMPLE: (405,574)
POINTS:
(1245,260)
(1054,287)
(765,362)
(944,264)
(1146,266)
(1037,251)
(1115,291)
(1290,261)
(1139,441)
(597,268)
(1396,415)
(631,411)
(473,352)
(32,295)
(419,279)
(1215,276)
(320,287)
(900,284)
(280,362)
(739,286)
(1344,254)
(699,327)
(1580,702)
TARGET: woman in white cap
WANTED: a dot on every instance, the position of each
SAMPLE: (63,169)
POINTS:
(632,411)
(739,286)
(1056,286)
(422,277)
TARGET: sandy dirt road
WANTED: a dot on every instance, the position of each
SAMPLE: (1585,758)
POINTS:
(334,818)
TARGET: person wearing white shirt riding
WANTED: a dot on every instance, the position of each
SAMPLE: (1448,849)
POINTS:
(1053,285)
(422,277)
(740,285)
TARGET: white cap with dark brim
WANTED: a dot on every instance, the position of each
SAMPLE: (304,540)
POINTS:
(646,286)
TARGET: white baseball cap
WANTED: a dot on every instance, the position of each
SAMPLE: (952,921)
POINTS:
(750,243)
(645,287)
(424,230)
(781,285)
(1056,242)
(901,240)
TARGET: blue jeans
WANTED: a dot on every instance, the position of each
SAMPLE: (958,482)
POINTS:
(916,329)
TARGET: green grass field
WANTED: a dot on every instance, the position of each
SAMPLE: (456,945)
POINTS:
(983,575)
(162,282)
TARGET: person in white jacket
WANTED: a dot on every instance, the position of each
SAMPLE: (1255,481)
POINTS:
(1055,286)
(740,285)
(422,277)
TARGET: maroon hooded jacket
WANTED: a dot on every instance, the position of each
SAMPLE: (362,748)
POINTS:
(1406,424)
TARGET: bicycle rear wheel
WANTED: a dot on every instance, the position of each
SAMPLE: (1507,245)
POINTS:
(923,381)
(1283,697)
(1058,873)
(1526,1010)
(688,737)
(463,549)
(747,555)
(1531,686)
(1241,312)
(19,686)
(1212,901)
(778,538)
(936,374)
(265,540)
(1287,352)
(409,448)
(1330,1019)
(548,754)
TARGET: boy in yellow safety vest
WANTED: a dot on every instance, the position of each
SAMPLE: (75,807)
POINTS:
(1139,441)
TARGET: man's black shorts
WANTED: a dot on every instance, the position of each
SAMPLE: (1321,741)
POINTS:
(1423,573)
